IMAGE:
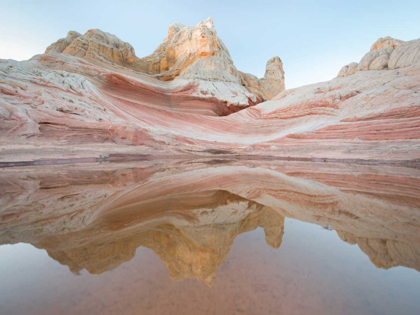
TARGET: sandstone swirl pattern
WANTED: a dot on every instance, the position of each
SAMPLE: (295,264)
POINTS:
(190,53)
(90,97)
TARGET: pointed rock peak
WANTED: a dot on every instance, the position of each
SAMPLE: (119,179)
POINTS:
(173,29)
(271,84)
(209,22)
(276,60)
(274,68)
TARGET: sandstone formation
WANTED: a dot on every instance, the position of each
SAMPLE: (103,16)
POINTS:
(94,217)
(60,45)
(108,104)
(205,152)
(405,55)
(349,69)
(195,54)
(95,45)
(386,53)
(371,115)
(375,60)
(386,42)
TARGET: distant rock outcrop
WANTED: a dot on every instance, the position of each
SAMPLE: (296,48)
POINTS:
(95,45)
(386,53)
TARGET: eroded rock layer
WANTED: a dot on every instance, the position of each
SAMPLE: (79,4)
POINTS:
(89,97)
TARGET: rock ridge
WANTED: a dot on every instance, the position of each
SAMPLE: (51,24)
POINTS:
(188,53)
(386,53)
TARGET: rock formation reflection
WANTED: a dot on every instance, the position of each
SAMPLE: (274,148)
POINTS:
(95,217)
(192,234)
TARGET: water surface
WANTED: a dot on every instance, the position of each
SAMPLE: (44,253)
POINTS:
(210,237)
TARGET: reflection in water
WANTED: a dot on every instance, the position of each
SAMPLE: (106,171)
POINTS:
(191,241)
(189,214)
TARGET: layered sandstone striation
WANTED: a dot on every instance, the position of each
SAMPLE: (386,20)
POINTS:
(191,53)
(405,55)
(90,97)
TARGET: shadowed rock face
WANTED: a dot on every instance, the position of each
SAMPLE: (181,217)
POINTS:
(190,213)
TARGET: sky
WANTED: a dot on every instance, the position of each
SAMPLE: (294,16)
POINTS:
(314,39)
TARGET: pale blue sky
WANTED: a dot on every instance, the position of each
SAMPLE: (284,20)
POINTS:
(313,38)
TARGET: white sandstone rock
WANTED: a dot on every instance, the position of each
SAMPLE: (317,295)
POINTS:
(375,60)
(386,42)
(347,70)
(405,55)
